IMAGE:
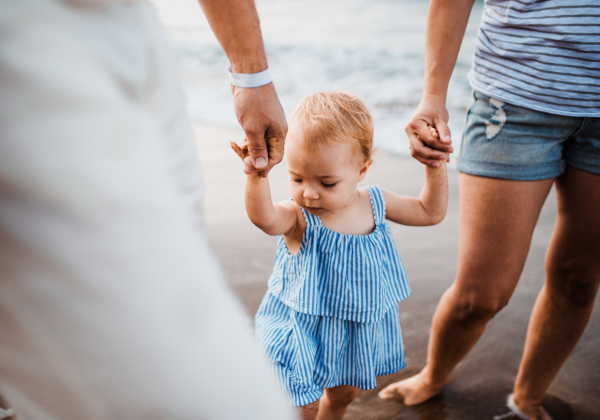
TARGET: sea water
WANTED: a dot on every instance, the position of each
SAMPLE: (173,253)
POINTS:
(374,48)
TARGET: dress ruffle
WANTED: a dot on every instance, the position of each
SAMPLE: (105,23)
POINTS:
(309,353)
(351,277)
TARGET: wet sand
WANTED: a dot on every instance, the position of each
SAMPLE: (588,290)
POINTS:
(480,384)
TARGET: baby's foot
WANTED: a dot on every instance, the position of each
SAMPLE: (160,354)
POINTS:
(412,391)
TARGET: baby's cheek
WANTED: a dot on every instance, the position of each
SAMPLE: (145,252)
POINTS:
(336,200)
(296,192)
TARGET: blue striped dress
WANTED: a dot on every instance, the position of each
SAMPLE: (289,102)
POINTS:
(330,316)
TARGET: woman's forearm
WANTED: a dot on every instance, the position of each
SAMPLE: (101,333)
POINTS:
(446,24)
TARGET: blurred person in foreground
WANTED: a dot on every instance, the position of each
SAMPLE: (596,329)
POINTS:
(534,122)
(112,304)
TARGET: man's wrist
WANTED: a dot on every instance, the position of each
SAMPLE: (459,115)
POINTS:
(250,80)
(254,65)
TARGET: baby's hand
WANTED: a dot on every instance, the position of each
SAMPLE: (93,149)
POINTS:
(274,146)
(242,151)
(435,134)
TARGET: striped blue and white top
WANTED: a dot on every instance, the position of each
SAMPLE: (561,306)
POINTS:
(540,54)
(351,277)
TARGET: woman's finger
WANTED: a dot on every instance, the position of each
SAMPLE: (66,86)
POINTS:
(420,151)
(434,142)
(444,132)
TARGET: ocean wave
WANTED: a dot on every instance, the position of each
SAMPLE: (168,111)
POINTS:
(387,73)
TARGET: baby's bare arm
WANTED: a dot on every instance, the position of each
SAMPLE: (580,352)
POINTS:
(271,218)
(429,208)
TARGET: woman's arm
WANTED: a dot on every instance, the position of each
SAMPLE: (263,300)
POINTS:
(429,208)
(446,24)
(271,218)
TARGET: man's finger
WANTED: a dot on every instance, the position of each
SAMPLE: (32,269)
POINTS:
(257,146)
(249,167)
(250,170)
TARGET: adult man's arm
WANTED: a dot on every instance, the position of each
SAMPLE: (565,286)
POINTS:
(446,24)
(236,26)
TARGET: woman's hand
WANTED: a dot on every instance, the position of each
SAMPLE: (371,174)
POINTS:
(429,146)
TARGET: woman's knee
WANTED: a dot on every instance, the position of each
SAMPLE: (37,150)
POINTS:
(342,395)
(576,278)
(475,308)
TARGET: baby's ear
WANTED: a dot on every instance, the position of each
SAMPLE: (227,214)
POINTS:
(363,169)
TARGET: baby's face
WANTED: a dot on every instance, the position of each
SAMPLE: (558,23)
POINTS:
(323,182)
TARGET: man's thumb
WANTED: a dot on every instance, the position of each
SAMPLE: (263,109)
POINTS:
(257,147)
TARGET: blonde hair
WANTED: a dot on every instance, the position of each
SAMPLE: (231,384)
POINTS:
(322,117)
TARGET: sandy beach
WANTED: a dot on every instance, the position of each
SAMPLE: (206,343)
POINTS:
(481,382)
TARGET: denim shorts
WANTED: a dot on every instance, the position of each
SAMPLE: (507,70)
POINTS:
(506,141)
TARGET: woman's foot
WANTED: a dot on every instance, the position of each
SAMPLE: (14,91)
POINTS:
(412,391)
(529,411)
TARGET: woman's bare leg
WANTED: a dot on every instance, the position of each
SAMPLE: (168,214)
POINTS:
(335,402)
(565,304)
(497,222)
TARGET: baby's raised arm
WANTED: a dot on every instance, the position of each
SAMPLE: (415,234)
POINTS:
(429,208)
(272,218)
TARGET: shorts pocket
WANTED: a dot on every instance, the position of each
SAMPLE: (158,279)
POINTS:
(492,113)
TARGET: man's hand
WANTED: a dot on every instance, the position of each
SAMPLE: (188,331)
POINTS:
(429,146)
(236,26)
(259,112)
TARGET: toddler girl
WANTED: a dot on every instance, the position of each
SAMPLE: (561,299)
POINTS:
(329,323)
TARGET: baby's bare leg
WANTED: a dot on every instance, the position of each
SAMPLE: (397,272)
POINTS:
(309,411)
(335,401)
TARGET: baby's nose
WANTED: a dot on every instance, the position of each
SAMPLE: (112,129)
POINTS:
(311,194)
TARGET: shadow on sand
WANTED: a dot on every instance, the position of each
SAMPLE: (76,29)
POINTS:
(453,403)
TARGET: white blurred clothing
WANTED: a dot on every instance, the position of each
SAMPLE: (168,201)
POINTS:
(112,305)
